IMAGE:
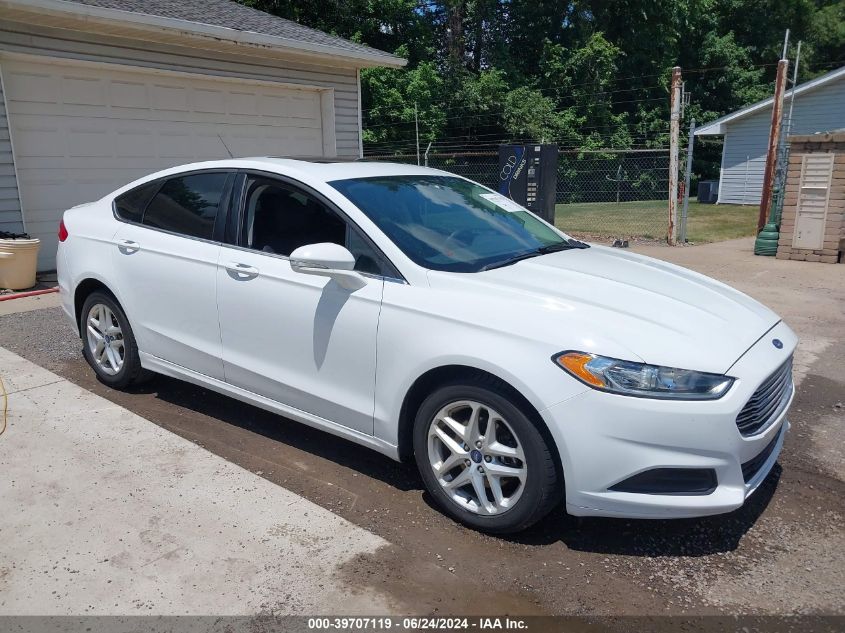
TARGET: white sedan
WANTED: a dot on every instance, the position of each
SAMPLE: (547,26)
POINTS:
(427,317)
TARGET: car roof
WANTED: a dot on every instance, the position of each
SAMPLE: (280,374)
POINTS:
(320,169)
(315,170)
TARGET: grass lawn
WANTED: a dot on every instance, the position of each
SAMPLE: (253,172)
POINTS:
(648,219)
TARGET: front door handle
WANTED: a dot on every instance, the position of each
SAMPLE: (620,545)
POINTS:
(127,247)
(241,272)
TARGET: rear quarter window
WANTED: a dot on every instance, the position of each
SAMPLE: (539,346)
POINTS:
(187,204)
(130,205)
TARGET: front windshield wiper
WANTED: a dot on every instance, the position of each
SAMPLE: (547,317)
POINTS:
(577,243)
(543,250)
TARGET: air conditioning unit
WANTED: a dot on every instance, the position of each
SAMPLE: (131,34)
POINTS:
(708,191)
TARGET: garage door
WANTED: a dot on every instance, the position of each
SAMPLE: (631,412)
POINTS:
(81,131)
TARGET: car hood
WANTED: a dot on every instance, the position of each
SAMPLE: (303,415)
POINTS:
(662,313)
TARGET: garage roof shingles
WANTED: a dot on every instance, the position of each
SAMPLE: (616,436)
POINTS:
(231,15)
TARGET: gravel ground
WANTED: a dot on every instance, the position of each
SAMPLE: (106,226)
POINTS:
(783,553)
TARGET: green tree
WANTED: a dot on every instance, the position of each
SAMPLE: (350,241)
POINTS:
(588,74)
(530,115)
(393,94)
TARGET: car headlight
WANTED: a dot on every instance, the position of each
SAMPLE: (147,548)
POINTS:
(638,379)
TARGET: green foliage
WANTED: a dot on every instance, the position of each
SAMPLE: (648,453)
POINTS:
(590,74)
(529,114)
(382,24)
(393,94)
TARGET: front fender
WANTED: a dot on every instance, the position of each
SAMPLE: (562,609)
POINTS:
(412,341)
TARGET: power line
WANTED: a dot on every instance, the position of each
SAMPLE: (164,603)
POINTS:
(495,137)
(561,142)
(558,89)
(584,96)
(494,145)
(494,113)
(573,130)
(666,74)
(634,127)
(584,156)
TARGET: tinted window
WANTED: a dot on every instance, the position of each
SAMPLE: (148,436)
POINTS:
(447,223)
(279,219)
(130,206)
(187,205)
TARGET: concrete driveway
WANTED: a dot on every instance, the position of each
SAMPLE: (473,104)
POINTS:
(207,480)
(105,513)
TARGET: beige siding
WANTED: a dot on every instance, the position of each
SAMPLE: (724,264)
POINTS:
(52,43)
(31,39)
(10,205)
(81,130)
(828,152)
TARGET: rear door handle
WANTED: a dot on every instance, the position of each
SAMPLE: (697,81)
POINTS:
(241,272)
(127,247)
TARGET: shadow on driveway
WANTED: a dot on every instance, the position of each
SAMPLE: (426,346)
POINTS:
(196,414)
(654,537)
(678,537)
(215,408)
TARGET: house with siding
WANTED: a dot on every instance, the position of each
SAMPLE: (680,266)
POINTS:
(819,107)
(96,93)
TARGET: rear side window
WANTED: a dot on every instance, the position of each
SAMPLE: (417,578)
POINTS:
(130,206)
(187,204)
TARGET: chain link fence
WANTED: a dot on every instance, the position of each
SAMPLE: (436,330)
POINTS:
(601,194)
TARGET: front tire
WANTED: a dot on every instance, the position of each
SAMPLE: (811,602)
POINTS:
(483,460)
(108,342)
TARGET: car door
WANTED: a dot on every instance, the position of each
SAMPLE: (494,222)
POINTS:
(165,265)
(301,340)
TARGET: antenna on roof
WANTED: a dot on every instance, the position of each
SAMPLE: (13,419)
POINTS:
(228,151)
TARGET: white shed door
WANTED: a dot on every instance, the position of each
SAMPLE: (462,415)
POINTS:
(813,196)
(79,131)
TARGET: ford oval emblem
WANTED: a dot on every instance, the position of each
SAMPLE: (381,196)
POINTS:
(777,343)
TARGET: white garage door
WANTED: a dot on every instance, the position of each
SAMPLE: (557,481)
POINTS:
(80,131)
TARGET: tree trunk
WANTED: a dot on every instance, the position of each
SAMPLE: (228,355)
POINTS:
(479,36)
(455,27)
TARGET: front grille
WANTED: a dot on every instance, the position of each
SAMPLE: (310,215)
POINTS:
(753,465)
(768,402)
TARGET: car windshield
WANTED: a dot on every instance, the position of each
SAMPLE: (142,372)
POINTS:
(447,223)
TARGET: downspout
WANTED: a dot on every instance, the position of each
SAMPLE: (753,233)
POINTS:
(360,117)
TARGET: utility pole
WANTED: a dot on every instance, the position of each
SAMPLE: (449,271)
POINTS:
(774,140)
(417,127)
(781,166)
(792,92)
(686,182)
(674,134)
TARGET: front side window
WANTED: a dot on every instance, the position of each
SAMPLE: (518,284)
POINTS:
(447,223)
(279,218)
(187,204)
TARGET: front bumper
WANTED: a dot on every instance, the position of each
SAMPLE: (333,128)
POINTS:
(604,439)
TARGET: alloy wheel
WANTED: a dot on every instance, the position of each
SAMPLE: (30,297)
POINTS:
(105,339)
(476,457)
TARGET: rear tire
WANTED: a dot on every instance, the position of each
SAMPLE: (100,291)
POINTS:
(482,459)
(108,343)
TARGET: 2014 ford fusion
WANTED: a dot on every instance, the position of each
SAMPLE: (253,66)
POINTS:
(427,317)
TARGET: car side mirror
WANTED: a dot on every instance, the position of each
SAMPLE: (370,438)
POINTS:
(328,260)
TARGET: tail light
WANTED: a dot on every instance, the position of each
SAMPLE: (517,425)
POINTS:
(62,231)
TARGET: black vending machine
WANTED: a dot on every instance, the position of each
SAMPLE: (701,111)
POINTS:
(528,176)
